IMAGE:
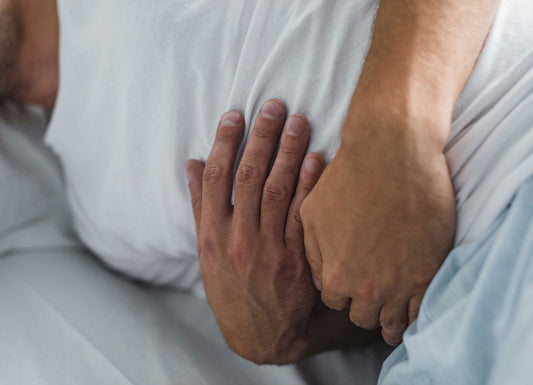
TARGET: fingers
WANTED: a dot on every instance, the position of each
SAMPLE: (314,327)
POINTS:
(314,258)
(312,248)
(195,172)
(310,172)
(394,321)
(335,291)
(413,308)
(279,187)
(218,171)
(255,164)
(334,300)
(365,314)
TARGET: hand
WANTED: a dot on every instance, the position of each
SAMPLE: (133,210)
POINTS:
(378,224)
(252,259)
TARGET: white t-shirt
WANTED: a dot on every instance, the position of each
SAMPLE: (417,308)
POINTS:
(143,84)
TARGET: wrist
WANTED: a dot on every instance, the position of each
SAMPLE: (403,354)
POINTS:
(419,60)
(395,120)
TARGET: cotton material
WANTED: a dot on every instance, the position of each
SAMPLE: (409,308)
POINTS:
(65,319)
(68,320)
(143,84)
(474,324)
(32,198)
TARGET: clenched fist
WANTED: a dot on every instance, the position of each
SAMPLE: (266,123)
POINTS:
(379,223)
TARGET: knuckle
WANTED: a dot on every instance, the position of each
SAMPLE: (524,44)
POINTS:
(362,322)
(215,173)
(287,166)
(422,278)
(305,187)
(247,175)
(332,282)
(291,146)
(387,286)
(333,304)
(227,135)
(366,290)
(393,323)
(263,132)
(207,246)
(326,300)
(275,193)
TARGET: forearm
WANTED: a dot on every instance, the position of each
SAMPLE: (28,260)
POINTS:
(421,56)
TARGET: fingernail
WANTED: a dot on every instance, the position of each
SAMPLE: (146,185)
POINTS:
(188,175)
(295,126)
(311,164)
(231,118)
(272,111)
(317,283)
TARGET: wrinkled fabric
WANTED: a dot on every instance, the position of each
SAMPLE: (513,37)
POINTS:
(33,213)
(144,83)
(472,325)
(65,319)
(474,322)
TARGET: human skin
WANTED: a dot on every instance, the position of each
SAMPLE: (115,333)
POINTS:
(421,55)
(381,219)
(252,261)
(29,51)
(9,39)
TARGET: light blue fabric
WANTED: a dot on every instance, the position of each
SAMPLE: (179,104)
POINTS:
(475,321)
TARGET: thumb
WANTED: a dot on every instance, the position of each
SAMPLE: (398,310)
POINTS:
(314,258)
(194,170)
(313,253)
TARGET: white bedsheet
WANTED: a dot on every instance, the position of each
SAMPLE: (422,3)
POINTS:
(33,214)
(65,319)
(143,85)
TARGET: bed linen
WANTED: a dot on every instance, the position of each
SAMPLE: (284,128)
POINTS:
(33,214)
(485,342)
(144,83)
(475,319)
(474,325)
(65,319)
